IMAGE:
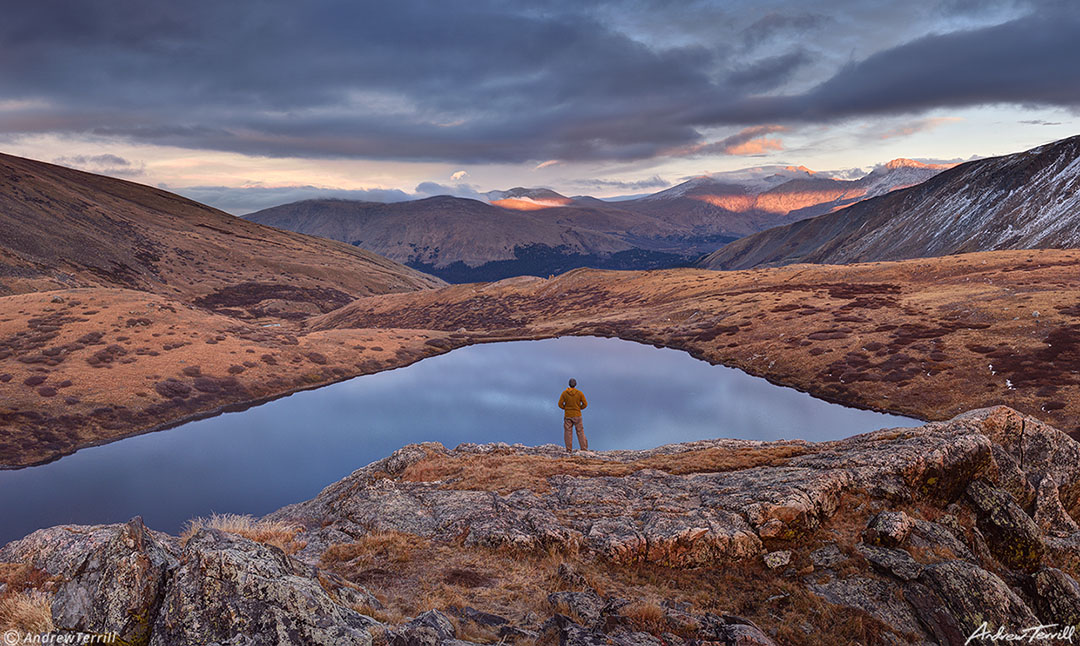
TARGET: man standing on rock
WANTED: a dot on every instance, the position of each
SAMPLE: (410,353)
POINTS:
(573,402)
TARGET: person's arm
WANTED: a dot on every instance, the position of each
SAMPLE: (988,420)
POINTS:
(584,402)
(562,400)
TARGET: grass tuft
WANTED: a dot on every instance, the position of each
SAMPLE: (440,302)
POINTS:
(29,612)
(276,533)
(647,616)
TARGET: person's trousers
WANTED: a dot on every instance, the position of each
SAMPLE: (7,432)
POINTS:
(569,424)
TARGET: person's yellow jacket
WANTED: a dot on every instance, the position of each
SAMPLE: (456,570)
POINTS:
(572,402)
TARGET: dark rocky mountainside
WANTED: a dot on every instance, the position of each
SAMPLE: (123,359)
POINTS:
(533,231)
(1028,200)
(63,228)
(911,536)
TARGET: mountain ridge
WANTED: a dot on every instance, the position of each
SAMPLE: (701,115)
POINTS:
(1029,199)
(537,231)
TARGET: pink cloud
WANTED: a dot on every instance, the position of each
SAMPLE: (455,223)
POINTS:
(748,141)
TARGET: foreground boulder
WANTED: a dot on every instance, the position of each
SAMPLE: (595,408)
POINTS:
(147,588)
(1014,538)
(112,578)
(974,595)
(227,585)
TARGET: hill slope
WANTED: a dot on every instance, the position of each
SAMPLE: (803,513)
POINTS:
(1021,201)
(465,240)
(62,228)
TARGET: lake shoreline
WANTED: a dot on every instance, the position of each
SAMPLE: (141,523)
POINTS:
(255,458)
(241,405)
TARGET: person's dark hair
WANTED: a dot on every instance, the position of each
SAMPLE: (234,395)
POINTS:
(573,382)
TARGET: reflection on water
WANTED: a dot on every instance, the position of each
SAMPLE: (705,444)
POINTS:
(287,450)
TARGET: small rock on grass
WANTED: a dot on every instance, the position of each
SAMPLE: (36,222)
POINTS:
(778,559)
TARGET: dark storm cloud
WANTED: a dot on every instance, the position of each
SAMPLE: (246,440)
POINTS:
(408,80)
(774,24)
(481,81)
(1031,60)
(768,73)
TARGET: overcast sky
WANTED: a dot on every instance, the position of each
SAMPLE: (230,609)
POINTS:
(250,104)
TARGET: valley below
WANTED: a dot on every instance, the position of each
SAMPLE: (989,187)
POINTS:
(923,338)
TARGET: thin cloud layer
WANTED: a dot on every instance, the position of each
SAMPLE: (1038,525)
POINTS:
(248,199)
(244,200)
(104,164)
(653,183)
(487,82)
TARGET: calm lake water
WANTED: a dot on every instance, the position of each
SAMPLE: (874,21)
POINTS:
(287,450)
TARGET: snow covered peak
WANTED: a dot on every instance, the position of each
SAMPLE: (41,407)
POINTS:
(902,162)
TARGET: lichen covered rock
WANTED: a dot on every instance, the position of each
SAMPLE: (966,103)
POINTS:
(888,529)
(1013,537)
(112,577)
(227,585)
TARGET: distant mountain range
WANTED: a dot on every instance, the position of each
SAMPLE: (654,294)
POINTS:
(541,232)
(62,228)
(1021,201)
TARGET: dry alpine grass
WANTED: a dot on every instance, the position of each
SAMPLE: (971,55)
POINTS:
(392,547)
(24,606)
(915,337)
(278,534)
(29,612)
(506,473)
(410,575)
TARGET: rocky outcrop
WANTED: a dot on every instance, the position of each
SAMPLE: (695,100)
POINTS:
(947,541)
(897,563)
(888,529)
(431,628)
(147,588)
(113,577)
(653,515)
(974,595)
(925,577)
(1013,536)
(1055,595)
(227,585)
